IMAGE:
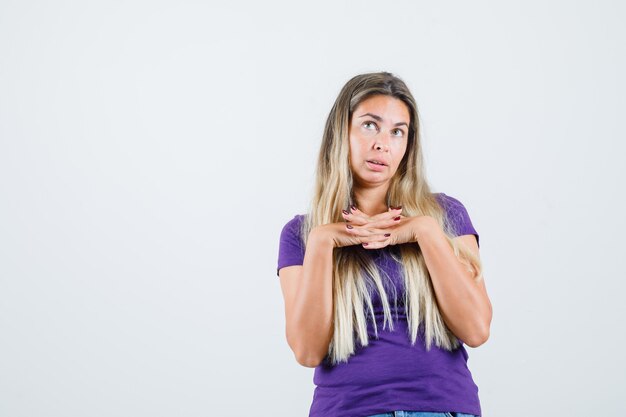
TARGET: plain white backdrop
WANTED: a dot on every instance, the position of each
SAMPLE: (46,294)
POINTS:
(151,151)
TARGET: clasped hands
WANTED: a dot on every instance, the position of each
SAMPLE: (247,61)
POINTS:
(380,230)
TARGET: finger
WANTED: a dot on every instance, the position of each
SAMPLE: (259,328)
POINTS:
(358,215)
(367,234)
(385,223)
(353,218)
(389,214)
(376,244)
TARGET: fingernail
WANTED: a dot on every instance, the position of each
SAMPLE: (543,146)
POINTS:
(397,218)
(353,207)
(349,226)
(387,234)
(364,243)
(345,211)
(396,208)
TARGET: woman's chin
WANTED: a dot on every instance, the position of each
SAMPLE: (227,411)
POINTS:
(371,179)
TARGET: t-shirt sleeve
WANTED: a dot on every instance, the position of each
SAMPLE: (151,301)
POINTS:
(459,218)
(290,248)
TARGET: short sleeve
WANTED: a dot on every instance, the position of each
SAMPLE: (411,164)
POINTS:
(458,217)
(290,248)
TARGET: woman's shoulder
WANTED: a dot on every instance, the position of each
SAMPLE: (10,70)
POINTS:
(296,220)
(291,247)
(457,215)
(293,225)
(448,201)
(442,196)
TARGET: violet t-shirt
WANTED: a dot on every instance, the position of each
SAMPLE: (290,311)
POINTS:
(389,374)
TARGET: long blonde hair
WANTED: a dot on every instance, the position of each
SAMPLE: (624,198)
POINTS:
(353,270)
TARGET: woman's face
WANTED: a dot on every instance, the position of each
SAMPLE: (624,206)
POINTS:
(378,132)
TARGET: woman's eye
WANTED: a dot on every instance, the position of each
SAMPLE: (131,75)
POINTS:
(369,123)
(400,132)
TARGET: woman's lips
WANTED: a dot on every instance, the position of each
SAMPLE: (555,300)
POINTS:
(375,167)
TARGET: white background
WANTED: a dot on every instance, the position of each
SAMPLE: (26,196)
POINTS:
(151,151)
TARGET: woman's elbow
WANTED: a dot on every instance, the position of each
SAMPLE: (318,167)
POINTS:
(308,361)
(481,333)
(478,339)
(304,357)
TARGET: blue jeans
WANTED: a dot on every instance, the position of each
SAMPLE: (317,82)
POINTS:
(421,414)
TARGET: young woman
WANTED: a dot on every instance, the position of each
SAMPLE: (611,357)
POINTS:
(382,278)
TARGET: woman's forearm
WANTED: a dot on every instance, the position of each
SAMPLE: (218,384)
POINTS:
(464,304)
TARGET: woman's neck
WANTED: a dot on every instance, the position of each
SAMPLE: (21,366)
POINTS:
(371,201)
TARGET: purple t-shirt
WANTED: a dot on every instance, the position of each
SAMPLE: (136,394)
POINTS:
(389,374)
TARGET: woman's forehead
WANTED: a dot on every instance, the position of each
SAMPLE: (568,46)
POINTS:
(382,108)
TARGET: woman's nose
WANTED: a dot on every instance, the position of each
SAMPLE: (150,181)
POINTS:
(382,142)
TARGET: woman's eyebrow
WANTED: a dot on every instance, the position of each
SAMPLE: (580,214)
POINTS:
(374,116)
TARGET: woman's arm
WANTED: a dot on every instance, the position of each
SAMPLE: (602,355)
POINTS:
(464,304)
(307,290)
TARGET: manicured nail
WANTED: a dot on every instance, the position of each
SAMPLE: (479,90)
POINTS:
(387,234)
(397,208)
(349,226)
(365,243)
(397,218)
(346,212)
(353,207)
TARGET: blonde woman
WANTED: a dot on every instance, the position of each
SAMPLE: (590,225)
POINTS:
(382,279)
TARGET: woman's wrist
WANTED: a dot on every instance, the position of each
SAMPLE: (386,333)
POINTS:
(322,235)
(421,226)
